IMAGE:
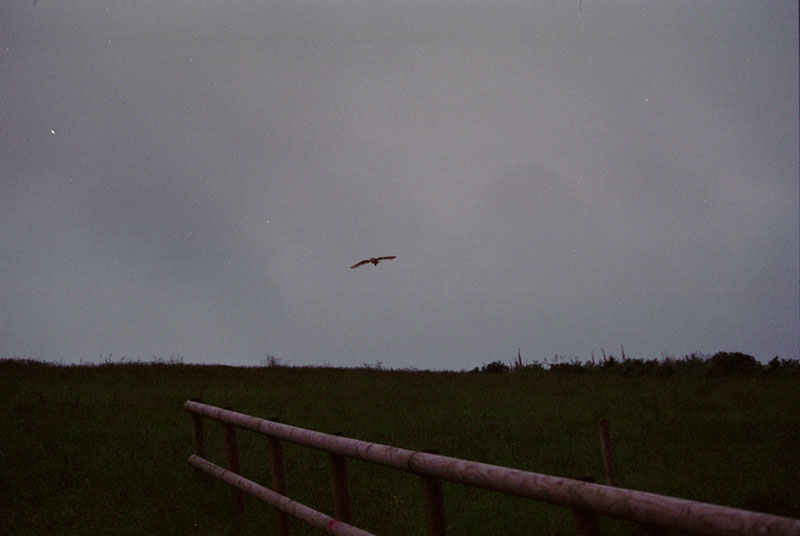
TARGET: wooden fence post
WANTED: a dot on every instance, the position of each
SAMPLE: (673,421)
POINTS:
(433,498)
(278,479)
(585,522)
(341,492)
(197,434)
(605,447)
(232,465)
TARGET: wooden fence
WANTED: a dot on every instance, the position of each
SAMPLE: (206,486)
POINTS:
(586,499)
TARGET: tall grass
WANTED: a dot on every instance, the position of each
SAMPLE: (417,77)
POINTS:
(93,450)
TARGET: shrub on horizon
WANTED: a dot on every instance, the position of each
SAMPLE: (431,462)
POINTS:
(726,363)
(494,367)
(782,366)
(573,367)
(694,364)
(270,361)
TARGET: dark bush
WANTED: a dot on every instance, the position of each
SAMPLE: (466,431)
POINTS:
(726,363)
(575,367)
(609,365)
(495,367)
(532,367)
(690,365)
(696,364)
(774,365)
(640,367)
(783,366)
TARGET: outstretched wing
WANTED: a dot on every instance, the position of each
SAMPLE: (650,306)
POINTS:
(362,263)
(387,258)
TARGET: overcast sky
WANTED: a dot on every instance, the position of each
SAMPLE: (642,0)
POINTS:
(196,177)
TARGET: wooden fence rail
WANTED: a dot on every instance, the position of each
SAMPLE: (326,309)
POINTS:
(585,498)
(282,503)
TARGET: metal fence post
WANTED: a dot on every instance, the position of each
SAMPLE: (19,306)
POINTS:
(232,464)
(278,479)
(605,447)
(433,498)
(341,492)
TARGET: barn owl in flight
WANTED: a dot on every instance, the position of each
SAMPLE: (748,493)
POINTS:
(373,260)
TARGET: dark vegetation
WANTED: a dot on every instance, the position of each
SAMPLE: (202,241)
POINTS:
(720,364)
(102,449)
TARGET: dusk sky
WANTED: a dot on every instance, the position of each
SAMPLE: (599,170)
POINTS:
(196,177)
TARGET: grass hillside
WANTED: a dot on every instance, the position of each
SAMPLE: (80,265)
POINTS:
(102,449)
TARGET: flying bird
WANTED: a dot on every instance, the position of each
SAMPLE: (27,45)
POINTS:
(373,260)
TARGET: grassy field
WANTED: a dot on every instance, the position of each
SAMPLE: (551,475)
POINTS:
(102,449)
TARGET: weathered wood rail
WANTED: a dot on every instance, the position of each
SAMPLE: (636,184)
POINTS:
(586,499)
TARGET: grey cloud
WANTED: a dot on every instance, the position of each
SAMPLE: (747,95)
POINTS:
(552,179)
